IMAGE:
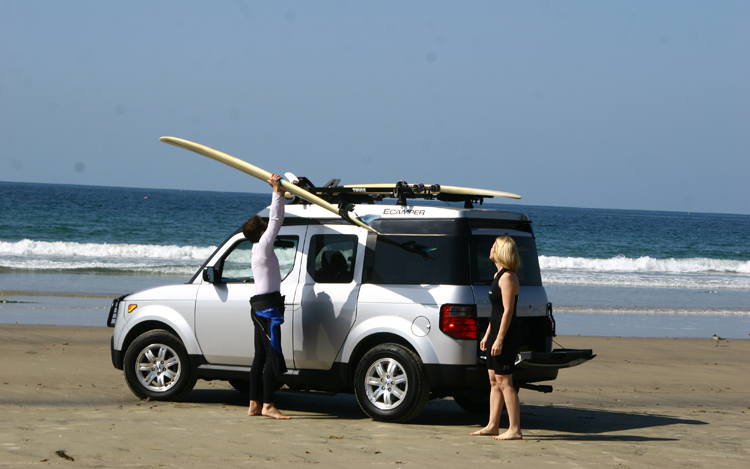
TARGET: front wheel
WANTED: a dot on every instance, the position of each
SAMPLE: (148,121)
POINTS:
(391,383)
(157,367)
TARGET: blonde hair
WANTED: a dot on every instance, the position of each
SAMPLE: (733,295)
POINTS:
(505,253)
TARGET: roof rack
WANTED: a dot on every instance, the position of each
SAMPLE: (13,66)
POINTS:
(402,191)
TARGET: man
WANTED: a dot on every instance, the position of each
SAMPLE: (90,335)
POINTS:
(267,306)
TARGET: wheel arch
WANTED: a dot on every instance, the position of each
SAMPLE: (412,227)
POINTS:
(367,343)
(152,324)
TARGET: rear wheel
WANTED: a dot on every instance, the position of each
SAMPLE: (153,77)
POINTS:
(241,385)
(391,383)
(157,367)
(475,402)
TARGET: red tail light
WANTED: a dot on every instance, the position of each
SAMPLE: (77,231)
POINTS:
(459,321)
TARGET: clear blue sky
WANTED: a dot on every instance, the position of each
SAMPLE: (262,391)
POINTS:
(631,104)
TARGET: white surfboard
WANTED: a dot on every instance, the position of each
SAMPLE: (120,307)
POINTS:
(264,175)
(379,188)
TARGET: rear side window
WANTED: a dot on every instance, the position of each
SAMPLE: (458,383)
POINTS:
(483,269)
(331,258)
(420,260)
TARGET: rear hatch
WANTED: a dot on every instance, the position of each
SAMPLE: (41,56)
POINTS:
(537,361)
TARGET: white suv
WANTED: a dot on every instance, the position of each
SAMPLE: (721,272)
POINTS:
(394,318)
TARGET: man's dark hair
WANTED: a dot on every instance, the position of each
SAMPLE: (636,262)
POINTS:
(253,228)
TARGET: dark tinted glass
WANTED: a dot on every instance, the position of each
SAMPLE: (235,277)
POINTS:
(415,260)
(331,258)
(483,269)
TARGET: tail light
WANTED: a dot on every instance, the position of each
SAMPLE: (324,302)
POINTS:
(459,321)
(553,332)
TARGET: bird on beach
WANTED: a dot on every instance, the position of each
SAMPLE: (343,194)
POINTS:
(717,339)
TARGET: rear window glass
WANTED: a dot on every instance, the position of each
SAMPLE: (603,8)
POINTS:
(483,269)
(420,260)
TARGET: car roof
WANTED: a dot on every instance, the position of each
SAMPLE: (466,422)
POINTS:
(398,212)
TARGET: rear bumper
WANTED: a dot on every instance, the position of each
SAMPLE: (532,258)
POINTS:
(532,367)
(557,359)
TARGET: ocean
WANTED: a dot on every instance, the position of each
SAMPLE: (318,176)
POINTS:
(66,251)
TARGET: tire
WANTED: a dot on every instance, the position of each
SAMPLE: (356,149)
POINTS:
(157,366)
(241,385)
(475,402)
(391,383)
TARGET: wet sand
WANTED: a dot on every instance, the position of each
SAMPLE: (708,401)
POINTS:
(639,403)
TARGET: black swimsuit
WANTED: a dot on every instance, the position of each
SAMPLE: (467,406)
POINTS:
(503,363)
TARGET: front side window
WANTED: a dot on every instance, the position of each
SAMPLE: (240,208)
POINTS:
(237,265)
(483,269)
(331,258)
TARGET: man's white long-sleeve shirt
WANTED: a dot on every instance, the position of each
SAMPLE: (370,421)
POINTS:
(265,263)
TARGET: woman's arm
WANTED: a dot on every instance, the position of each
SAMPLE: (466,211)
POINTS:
(275,216)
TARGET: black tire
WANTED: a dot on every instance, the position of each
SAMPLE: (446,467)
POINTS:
(241,385)
(391,383)
(157,366)
(475,401)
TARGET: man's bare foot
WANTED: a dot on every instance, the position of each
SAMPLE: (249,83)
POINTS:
(254,409)
(486,431)
(270,410)
(509,436)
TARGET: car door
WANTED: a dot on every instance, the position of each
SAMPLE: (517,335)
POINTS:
(223,324)
(328,294)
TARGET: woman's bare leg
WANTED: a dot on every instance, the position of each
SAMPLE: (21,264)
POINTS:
(514,408)
(496,408)
(254,409)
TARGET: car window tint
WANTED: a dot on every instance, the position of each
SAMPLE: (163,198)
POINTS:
(420,260)
(483,269)
(237,265)
(331,258)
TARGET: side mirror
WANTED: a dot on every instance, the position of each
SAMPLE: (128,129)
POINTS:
(209,275)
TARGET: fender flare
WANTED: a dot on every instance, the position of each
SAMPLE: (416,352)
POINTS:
(388,325)
(170,318)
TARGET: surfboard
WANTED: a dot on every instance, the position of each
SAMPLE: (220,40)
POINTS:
(264,175)
(435,189)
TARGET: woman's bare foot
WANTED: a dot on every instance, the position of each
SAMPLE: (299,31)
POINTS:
(486,431)
(270,410)
(254,409)
(509,435)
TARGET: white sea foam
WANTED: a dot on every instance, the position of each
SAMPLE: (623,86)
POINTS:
(155,259)
(28,247)
(645,264)
(646,272)
(652,311)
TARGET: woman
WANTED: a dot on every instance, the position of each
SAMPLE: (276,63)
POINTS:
(504,340)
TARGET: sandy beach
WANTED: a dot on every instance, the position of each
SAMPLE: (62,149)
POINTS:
(639,403)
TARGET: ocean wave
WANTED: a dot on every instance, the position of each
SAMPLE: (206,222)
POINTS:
(29,247)
(646,280)
(650,311)
(103,258)
(646,264)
